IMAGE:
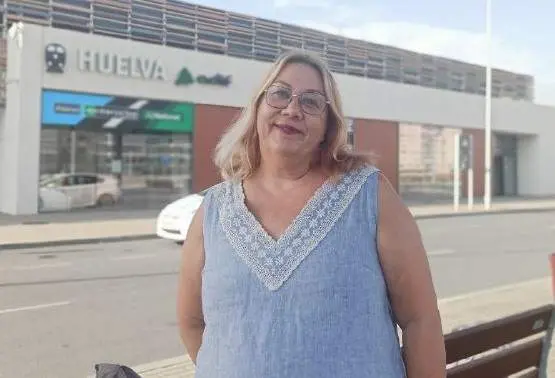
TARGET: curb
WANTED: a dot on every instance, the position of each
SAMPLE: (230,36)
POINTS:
(57,243)
(464,213)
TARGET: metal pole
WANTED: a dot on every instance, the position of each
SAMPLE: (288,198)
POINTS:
(487,147)
(73,158)
(470,173)
(456,173)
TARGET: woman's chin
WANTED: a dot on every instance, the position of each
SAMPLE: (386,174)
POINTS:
(285,149)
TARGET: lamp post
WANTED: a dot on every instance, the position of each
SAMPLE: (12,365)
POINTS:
(487,148)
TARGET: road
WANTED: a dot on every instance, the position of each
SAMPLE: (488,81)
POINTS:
(64,309)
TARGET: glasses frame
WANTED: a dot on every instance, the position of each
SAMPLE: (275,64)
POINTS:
(293,95)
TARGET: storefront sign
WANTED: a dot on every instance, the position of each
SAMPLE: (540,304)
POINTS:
(186,78)
(104,113)
(120,65)
(132,66)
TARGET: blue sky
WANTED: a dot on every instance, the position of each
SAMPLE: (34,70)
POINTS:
(523,32)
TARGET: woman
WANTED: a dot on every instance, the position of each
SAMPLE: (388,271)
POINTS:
(303,261)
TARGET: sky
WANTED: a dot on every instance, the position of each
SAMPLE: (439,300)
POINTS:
(522,32)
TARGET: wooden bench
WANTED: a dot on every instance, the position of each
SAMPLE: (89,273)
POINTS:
(518,343)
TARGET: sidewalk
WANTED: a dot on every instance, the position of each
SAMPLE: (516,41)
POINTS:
(30,235)
(63,232)
(456,312)
(446,210)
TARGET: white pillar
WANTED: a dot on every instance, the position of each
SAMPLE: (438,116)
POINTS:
(457,173)
(20,140)
(487,120)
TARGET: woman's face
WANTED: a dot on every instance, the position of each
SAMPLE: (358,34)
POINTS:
(292,114)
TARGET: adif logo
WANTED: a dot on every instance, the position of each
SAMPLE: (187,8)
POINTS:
(55,58)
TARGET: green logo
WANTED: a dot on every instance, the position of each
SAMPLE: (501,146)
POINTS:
(90,111)
(186,78)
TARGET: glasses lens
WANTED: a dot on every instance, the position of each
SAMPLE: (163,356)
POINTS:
(313,103)
(278,97)
(310,102)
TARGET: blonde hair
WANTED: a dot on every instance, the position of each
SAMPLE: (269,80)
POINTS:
(237,154)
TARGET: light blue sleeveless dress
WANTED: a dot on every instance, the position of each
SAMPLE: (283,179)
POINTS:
(311,304)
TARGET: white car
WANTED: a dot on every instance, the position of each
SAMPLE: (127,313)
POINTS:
(52,199)
(80,189)
(174,219)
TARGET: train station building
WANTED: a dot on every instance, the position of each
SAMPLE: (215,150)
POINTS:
(150,114)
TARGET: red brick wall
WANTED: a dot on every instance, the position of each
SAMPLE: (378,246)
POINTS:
(376,136)
(210,122)
(380,138)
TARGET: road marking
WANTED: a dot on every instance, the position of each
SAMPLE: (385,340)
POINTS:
(42,266)
(133,257)
(36,307)
(441,252)
(496,289)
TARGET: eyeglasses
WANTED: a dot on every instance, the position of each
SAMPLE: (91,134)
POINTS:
(311,102)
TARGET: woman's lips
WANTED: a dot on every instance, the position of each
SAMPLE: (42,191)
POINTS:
(288,129)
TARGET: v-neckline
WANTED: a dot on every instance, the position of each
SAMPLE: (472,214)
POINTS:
(274,260)
(240,197)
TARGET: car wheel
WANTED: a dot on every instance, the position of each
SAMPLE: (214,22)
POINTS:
(105,200)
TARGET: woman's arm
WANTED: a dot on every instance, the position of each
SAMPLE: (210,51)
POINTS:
(410,286)
(189,305)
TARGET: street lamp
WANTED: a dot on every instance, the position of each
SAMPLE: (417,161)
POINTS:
(487,149)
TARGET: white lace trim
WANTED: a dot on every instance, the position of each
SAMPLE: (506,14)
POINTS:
(273,261)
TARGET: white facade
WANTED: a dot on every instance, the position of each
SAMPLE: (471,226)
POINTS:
(154,69)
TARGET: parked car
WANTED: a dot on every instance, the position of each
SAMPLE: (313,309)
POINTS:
(81,190)
(174,219)
(52,199)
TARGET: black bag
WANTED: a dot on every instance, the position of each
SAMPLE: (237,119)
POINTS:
(114,371)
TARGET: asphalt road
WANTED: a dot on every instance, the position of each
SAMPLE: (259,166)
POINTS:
(64,309)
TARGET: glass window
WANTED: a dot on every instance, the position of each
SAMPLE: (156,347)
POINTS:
(265,55)
(66,14)
(426,157)
(110,19)
(149,13)
(266,35)
(77,166)
(291,42)
(55,151)
(240,22)
(211,37)
(37,12)
(356,63)
(146,34)
(239,49)
(182,40)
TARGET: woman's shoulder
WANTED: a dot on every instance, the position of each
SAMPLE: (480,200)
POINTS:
(365,177)
(362,170)
(348,182)
(218,190)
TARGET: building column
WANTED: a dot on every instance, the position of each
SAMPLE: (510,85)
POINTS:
(20,150)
